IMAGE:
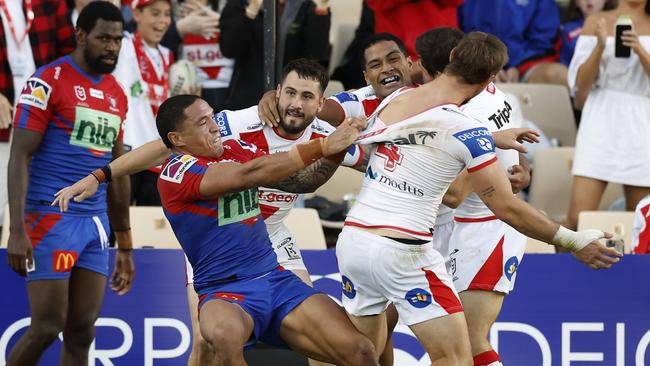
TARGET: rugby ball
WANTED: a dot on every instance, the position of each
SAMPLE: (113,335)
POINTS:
(182,76)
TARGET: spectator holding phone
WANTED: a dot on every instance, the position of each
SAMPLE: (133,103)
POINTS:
(613,143)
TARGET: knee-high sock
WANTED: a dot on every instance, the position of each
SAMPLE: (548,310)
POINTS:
(489,358)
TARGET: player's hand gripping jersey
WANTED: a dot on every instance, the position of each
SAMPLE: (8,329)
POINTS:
(223,237)
(80,117)
(413,163)
(245,125)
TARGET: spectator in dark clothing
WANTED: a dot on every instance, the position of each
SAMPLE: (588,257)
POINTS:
(303,32)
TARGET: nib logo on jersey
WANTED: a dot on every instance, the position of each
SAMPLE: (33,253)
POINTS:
(395,184)
(95,130)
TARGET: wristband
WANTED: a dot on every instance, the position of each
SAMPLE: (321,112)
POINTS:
(307,153)
(99,175)
(575,241)
(124,240)
(107,172)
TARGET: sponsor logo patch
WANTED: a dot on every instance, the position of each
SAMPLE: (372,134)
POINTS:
(477,140)
(510,267)
(238,206)
(346,97)
(176,168)
(348,288)
(222,121)
(95,130)
(36,93)
(96,93)
(418,298)
(229,296)
(63,260)
(80,92)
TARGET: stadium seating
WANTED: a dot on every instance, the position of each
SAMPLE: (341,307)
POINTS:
(344,181)
(536,246)
(305,227)
(345,20)
(609,221)
(150,228)
(550,187)
(549,107)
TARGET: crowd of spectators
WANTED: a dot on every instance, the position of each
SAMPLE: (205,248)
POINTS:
(224,40)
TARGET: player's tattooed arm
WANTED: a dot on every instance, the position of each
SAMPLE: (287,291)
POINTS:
(365,160)
(308,179)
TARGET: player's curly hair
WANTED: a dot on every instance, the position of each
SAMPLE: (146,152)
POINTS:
(477,57)
(171,115)
(98,10)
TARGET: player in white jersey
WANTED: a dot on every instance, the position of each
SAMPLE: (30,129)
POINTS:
(484,250)
(299,98)
(423,141)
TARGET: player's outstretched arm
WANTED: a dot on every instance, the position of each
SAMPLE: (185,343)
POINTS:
(268,170)
(146,156)
(512,138)
(19,246)
(119,199)
(493,187)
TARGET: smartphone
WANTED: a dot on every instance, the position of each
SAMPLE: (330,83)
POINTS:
(623,23)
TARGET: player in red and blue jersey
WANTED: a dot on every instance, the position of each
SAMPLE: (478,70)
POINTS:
(209,194)
(69,120)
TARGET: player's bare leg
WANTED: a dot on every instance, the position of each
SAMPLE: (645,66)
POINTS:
(387,357)
(320,329)
(634,195)
(373,327)
(86,294)
(227,328)
(48,304)
(481,311)
(446,340)
(201,354)
(585,195)
(549,73)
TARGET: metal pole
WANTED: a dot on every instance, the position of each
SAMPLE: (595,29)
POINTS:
(269,44)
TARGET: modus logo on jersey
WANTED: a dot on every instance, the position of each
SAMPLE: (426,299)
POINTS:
(393,183)
(36,93)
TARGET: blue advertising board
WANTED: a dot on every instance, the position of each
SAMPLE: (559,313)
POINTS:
(561,313)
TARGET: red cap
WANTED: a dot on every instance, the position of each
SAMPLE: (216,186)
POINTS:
(143,3)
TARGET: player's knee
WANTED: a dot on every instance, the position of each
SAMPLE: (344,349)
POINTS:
(223,339)
(80,336)
(359,351)
(45,332)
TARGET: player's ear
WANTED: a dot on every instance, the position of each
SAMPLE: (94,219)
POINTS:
(278,89)
(365,77)
(80,36)
(175,138)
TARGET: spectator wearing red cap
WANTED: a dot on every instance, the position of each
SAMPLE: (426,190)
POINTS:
(143,71)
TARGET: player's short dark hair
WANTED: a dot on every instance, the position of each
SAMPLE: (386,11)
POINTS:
(477,57)
(307,69)
(171,115)
(381,37)
(434,47)
(98,10)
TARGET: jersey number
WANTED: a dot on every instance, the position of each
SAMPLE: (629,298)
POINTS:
(391,154)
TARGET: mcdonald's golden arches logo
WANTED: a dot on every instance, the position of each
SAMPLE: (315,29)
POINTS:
(63,260)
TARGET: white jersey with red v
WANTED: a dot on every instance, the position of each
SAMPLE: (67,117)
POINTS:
(245,125)
(413,162)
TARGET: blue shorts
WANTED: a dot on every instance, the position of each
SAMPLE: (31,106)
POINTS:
(267,299)
(62,242)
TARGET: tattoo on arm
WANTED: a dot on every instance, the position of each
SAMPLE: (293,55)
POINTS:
(365,160)
(308,179)
(488,192)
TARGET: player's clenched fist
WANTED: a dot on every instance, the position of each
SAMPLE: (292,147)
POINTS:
(343,136)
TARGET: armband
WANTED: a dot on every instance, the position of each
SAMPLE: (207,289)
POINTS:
(307,153)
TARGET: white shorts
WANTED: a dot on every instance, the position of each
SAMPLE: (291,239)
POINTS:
(376,271)
(288,253)
(441,237)
(485,255)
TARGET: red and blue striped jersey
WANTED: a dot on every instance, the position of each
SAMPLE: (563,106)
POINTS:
(80,118)
(223,237)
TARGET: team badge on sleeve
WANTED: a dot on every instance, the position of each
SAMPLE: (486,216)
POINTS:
(477,140)
(36,93)
(346,97)
(176,168)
